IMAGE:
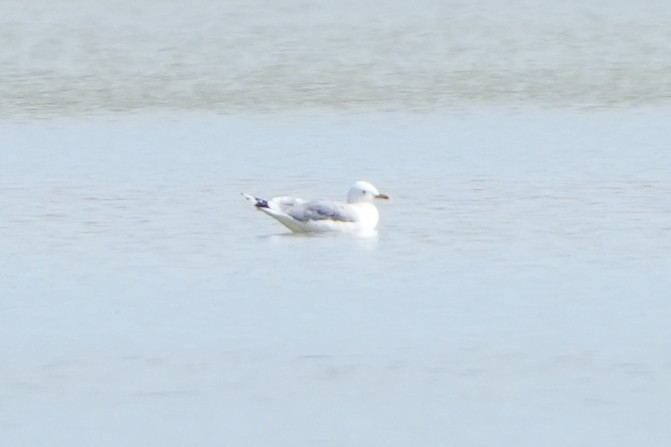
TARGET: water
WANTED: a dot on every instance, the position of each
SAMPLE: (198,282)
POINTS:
(91,57)
(520,287)
(516,294)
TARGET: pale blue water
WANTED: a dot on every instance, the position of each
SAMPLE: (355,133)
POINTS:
(518,290)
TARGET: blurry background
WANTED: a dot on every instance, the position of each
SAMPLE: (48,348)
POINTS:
(69,56)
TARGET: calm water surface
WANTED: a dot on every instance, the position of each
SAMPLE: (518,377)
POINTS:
(517,292)
(517,289)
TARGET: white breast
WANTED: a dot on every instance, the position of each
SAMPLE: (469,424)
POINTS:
(368,215)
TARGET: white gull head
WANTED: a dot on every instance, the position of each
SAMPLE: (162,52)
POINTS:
(364,192)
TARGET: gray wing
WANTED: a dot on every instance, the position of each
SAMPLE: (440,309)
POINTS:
(324,209)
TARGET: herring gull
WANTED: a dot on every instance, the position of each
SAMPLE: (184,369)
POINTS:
(317,216)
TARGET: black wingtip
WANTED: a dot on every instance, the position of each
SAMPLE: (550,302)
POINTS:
(259,203)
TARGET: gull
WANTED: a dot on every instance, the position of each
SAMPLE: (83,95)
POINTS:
(359,214)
